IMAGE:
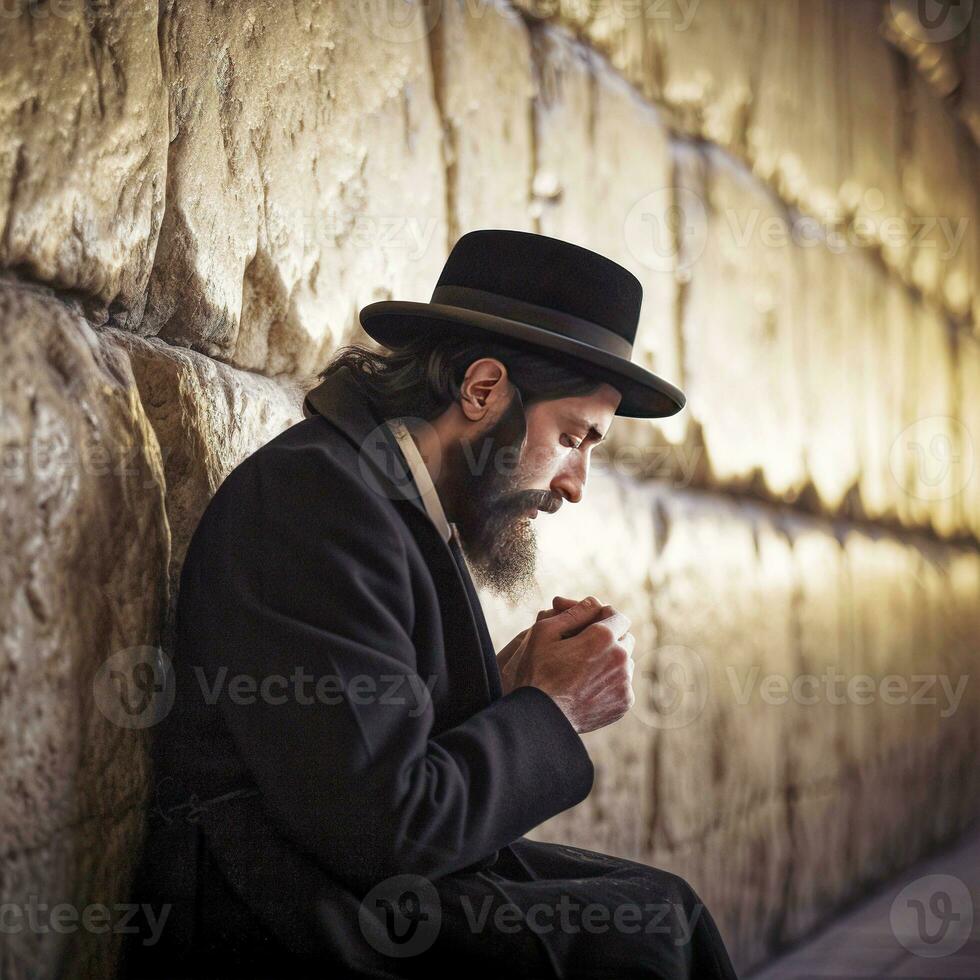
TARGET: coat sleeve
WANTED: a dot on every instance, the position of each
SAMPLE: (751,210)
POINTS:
(318,591)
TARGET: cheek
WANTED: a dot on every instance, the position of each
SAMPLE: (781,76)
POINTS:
(540,458)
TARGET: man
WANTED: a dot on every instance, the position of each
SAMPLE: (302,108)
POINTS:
(349,769)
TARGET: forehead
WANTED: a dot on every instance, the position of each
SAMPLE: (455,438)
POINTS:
(595,409)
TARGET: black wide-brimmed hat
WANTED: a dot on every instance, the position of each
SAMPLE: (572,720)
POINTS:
(543,293)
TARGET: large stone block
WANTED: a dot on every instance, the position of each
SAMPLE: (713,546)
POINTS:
(207,417)
(811,95)
(914,619)
(970,70)
(305,177)
(968,414)
(83,147)
(915,403)
(883,339)
(837,307)
(739,869)
(82,579)
(941,189)
(709,55)
(827,122)
(616,30)
(481,64)
(930,455)
(781,718)
(65,909)
(743,330)
(604,180)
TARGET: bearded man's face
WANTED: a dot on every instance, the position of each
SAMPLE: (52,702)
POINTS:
(527,461)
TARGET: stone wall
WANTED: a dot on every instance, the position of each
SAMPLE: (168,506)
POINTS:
(196,200)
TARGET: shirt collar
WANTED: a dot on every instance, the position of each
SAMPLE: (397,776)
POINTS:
(423,480)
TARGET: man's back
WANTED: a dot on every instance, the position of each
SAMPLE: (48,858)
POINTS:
(332,726)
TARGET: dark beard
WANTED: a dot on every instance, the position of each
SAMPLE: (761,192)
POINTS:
(489,510)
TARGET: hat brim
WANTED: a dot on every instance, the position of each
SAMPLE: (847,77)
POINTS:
(644,394)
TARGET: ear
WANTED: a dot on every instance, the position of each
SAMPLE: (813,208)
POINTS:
(484,389)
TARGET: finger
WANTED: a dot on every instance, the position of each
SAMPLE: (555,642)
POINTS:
(618,622)
(608,610)
(558,604)
(569,621)
(505,655)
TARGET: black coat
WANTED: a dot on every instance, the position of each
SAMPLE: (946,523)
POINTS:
(275,815)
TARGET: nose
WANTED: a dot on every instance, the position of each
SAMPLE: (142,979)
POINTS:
(570,484)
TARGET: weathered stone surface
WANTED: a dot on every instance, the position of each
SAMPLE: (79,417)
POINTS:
(826,126)
(915,616)
(706,60)
(810,94)
(481,65)
(742,327)
(83,144)
(941,43)
(604,180)
(207,418)
(837,310)
(970,93)
(941,188)
(323,156)
(83,577)
(628,36)
(968,413)
(886,337)
(757,754)
(73,887)
(928,456)
(304,172)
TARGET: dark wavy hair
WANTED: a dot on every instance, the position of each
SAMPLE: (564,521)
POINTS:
(422,378)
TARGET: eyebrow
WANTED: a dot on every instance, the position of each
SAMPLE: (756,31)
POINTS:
(593,429)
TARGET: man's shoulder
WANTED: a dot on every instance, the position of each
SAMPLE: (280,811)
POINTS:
(310,464)
(312,443)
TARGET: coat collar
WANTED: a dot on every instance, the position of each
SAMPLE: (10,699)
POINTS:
(339,399)
(384,468)
(423,479)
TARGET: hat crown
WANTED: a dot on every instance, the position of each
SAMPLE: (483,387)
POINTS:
(546,272)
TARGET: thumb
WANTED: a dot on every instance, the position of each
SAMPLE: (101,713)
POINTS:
(573,618)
